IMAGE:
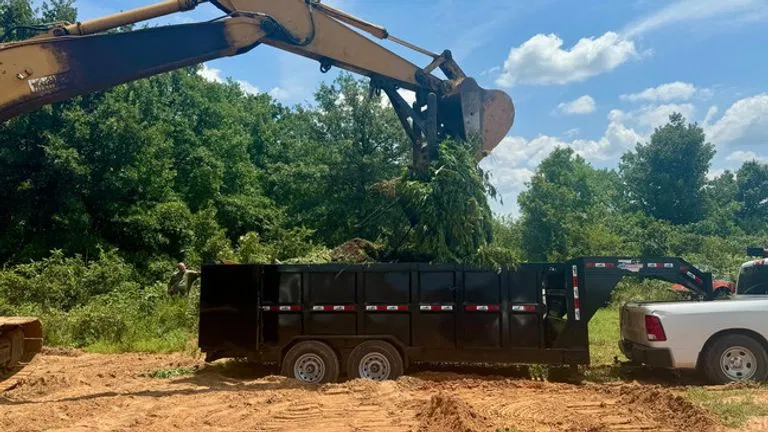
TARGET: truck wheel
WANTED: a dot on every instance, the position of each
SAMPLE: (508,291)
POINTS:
(311,362)
(375,360)
(735,357)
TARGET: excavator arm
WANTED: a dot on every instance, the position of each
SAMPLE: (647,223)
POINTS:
(76,59)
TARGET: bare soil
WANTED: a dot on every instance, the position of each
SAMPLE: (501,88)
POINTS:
(73,391)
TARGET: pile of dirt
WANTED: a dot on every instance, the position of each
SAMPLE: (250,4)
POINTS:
(447,412)
(666,407)
(355,251)
(60,351)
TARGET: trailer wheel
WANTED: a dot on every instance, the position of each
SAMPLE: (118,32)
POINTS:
(735,357)
(311,362)
(375,360)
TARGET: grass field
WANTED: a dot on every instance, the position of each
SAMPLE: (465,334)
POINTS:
(604,337)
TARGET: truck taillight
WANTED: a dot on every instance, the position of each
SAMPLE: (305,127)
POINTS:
(654,329)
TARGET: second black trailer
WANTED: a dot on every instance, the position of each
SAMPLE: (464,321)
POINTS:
(321,322)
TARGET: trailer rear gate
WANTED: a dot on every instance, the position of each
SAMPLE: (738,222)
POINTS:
(537,313)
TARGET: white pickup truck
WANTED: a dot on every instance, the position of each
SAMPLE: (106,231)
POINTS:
(727,340)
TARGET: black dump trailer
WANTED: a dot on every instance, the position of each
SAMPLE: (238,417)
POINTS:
(321,322)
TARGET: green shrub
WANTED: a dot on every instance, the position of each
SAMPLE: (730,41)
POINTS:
(65,282)
(97,322)
(648,290)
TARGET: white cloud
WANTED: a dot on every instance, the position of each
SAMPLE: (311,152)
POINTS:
(711,113)
(651,116)
(281,93)
(211,74)
(741,156)
(408,95)
(617,139)
(216,75)
(508,178)
(542,60)
(664,93)
(570,133)
(582,105)
(515,159)
(655,116)
(714,173)
(697,10)
(248,88)
(744,123)
(490,71)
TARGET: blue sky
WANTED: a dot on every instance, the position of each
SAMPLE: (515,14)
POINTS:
(597,76)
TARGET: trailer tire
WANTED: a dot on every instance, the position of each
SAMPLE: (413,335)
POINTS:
(312,362)
(735,357)
(375,360)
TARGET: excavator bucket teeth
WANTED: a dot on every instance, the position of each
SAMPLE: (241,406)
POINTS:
(472,111)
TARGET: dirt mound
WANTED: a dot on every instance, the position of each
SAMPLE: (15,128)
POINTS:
(355,251)
(666,407)
(34,386)
(59,351)
(446,413)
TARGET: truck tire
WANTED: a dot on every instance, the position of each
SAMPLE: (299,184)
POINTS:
(375,360)
(735,357)
(312,362)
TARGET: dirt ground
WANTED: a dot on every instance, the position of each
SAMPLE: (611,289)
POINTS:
(72,391)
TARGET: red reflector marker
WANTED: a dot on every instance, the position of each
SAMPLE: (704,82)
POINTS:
(654,329)
(482,308)
(333,308)
(524,308)
(386,308)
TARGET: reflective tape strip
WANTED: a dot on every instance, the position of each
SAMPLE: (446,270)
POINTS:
(436,308)
(576,302)
(694,277)
(660,265)
(386,308)
(685,271)
(281,308)
(483,308)
(600,265)
(333,308)
(524,308)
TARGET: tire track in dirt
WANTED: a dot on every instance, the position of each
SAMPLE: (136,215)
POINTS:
(87,392)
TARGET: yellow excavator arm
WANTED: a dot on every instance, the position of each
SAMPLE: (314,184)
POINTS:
(79,58)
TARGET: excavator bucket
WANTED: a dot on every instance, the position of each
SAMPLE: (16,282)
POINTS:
(474,112)
(21,338)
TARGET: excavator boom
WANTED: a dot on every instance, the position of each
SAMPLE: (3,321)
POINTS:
(76,59)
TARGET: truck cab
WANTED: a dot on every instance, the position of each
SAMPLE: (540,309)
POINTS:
(753,275)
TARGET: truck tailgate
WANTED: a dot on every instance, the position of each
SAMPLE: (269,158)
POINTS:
(633,323)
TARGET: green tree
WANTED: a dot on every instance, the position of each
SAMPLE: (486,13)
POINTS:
(19,20)
(324,163)
(665,178)
(563,207)
(752,192)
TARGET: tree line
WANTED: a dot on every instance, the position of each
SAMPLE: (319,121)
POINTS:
(178,168)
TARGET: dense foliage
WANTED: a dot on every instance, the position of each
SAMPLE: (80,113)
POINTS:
(103,193)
